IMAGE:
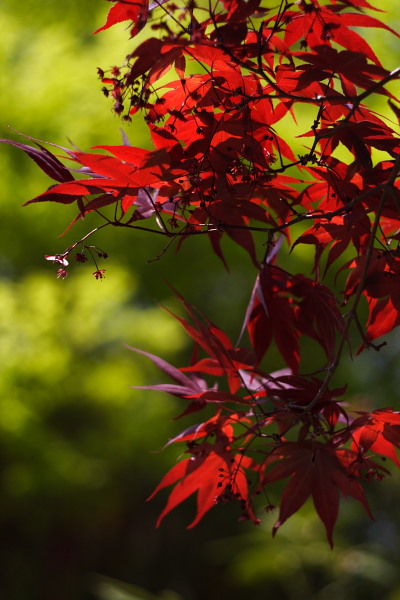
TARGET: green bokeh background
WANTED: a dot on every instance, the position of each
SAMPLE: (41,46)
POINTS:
(79,449)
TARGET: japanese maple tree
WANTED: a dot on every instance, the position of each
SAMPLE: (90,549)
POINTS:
(216,82)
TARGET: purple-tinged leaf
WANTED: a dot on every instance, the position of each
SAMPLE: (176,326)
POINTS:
(45,160)
(166,367)
(169,388)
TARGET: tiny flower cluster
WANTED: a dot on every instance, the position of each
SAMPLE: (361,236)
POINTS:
(80,257)
(99,274)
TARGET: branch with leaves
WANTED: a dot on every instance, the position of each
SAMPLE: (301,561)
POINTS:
(216,85)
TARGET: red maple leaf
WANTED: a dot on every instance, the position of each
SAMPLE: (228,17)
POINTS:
(214,472)
(378,432)
(128,10)
(315,470)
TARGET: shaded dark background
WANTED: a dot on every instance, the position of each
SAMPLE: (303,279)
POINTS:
(80,451)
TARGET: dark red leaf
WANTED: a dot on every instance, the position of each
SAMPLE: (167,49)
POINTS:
(45,160)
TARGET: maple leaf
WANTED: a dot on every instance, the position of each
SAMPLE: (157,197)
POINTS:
(128,10)
(352,66)
(47,161)
(315,470)
(225,359)
(318,313)
(192,388)
(377,432)
(337,234)
(214,472)
(323,25)
(381,287)
(271,314)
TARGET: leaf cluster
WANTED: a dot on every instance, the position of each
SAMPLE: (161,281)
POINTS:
(215,83)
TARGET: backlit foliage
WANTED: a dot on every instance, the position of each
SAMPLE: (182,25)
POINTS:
(214,82)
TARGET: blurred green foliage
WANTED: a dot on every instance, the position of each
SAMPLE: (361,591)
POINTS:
(79,449)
